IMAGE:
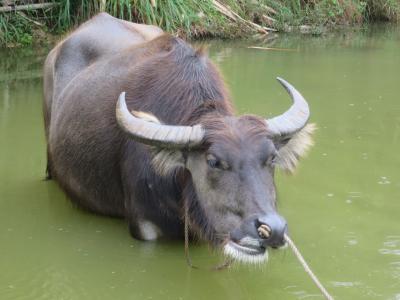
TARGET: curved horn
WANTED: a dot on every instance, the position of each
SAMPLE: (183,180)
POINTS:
(295,118)
(152,133)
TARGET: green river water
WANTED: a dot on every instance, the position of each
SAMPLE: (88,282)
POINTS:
(342,206)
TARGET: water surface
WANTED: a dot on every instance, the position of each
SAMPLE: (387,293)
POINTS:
(343,204)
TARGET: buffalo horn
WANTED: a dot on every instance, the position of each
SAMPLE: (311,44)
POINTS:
(294,119)
(156,134)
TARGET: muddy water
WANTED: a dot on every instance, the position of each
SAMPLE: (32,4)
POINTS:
(343,205)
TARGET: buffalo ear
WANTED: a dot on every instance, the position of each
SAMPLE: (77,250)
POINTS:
(291,149)
(165,161)
(146,116)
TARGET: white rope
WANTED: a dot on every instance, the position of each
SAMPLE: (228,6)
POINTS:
(307,268)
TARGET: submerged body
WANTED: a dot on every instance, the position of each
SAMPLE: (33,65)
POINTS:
(86,153)
(132,166)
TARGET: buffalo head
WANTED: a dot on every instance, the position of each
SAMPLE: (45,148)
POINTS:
(230,162)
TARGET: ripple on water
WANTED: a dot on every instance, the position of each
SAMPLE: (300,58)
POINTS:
(351,239)
(345,284)
(395,266)
(391,245)
(301,294)
(384,180)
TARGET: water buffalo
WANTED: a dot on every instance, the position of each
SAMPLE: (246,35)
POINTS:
(139,125)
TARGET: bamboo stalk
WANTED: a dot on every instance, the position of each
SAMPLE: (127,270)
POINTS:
(273,49)
(235,17)
(102,5)
(29,19)
(222,9)
(7,2)
(28,7)
(268,19)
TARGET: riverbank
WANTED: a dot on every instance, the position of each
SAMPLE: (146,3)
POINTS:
(25,22)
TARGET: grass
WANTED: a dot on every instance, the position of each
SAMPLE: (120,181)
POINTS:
(189,18)
(197,18)
(14,28)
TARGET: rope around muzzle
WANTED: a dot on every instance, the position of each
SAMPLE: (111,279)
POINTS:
(307,268)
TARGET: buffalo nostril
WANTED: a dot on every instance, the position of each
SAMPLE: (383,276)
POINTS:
(264,231)
(271,229)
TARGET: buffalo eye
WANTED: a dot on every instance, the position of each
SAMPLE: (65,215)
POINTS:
(216,163)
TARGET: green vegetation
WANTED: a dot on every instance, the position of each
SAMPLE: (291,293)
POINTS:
(194,18)
(14,28)
(328,13)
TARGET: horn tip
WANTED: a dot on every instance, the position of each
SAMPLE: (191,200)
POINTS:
(288,87)
(121,100)
(282,81)
(122,95)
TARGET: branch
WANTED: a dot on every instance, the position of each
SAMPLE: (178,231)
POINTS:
(28,7)
(29,19)
(272,49)
(235,17)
